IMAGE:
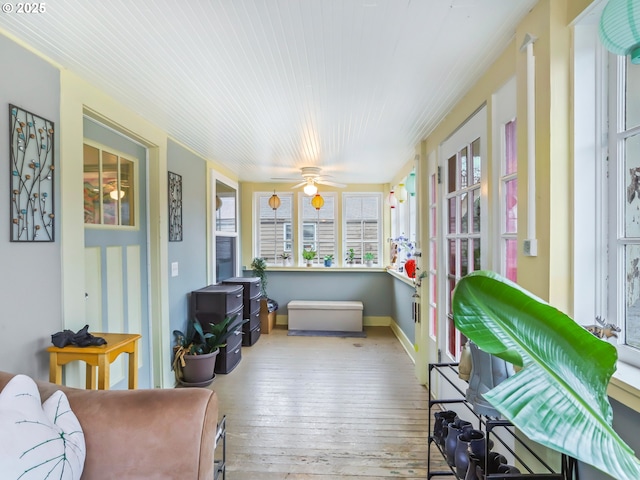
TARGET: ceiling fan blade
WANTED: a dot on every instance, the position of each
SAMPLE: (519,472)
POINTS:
(286,179)
(299,184)
(331,184)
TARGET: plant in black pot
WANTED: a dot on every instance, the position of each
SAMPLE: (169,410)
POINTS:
(195,352)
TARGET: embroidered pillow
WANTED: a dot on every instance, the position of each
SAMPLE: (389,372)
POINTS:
(38,440)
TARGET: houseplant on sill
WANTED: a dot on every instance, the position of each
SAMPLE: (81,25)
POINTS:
(309,255)
(328,260)
(286,258)
(195,352)
(368,259)
(351,257)
(559,398)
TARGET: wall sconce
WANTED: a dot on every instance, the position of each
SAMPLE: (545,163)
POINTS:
(620,28)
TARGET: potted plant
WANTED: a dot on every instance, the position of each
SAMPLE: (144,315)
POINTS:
(309,255)
(195,352)
(259,269)
(561,390)
(328,260)
(368,259)
(351,257)
(286,258)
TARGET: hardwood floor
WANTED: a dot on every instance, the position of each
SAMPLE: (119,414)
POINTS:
(324,408)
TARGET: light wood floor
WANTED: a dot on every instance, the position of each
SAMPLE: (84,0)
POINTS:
(324,408)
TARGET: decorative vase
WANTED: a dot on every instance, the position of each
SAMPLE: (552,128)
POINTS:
(451,441)
(368,263)
(442,419)
(487,372)
(327,263)
(309,263)
(461,454)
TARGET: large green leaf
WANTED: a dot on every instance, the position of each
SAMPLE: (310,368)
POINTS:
(559,398)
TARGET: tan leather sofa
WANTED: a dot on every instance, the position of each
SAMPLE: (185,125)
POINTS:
(143,434)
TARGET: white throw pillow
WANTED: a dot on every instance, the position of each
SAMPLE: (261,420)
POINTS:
(37,440)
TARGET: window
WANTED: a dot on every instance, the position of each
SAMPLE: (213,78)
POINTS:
(362,225)
(624,204)
(226,230)
(509,203)
(433,253)
(274,232)
(109,187)
(319,225)
(463,229)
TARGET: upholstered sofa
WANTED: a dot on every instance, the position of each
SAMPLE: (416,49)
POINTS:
(143,434)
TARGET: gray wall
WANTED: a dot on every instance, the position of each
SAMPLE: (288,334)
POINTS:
(372,288)
(191,252)
(403,307)
(30,273)
(625,422)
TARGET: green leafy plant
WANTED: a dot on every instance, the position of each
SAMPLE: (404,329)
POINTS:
(285,255)
(259,269)
(351,256)
(196,342)
(309,254)
(559,397)
(369,257)
(328,257)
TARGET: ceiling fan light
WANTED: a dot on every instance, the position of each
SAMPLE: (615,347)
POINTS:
(116,194)
(310,189)
(620,28)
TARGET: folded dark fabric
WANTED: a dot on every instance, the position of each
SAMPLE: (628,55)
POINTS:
(81,339)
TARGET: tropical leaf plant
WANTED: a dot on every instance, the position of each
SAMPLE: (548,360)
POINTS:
(559,397)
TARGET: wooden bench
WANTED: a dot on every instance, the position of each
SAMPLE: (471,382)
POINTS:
(341,316)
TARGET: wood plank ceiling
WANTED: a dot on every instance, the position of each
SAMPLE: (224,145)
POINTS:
(265,87)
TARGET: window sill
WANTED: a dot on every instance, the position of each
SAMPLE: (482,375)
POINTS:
(624,386)
(322,268)
(400,276)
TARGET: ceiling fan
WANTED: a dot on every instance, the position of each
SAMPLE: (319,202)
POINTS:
(312,176)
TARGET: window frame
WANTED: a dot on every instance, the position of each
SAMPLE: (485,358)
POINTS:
(306,222)
(285,220)
(379,220)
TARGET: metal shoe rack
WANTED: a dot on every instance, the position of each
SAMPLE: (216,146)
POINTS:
(220,467)
(500,431)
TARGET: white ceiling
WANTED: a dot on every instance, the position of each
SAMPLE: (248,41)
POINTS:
(265,87)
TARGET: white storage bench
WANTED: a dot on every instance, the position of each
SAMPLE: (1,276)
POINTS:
(339,316)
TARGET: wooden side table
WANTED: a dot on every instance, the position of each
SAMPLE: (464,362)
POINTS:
(100,357)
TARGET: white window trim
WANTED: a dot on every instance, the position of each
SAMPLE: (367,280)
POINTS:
(255,214)
(343,240)
(213,178)
(302,197)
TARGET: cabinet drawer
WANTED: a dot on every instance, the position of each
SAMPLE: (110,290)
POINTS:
(253,304)
(234,340)
(254,321)
(251,338)
(205,318)
(228,359)
(251,285)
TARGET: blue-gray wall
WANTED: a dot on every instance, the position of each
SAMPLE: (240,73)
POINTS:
(402,294)
(30,273)
(191,252)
